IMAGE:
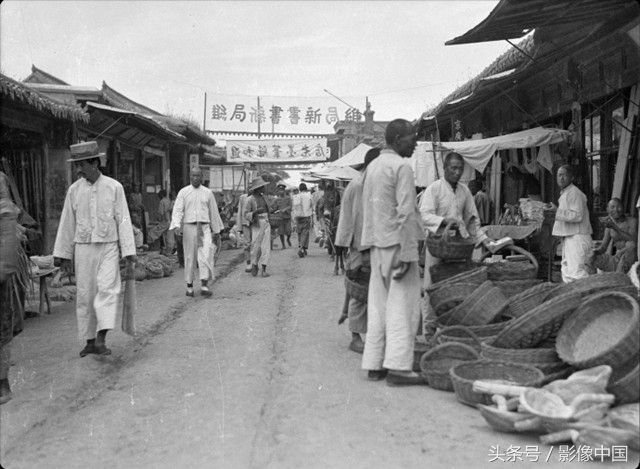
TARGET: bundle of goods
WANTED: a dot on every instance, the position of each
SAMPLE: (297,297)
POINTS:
(576,409)
(532,210)
(514,267)
(605,330)
(150,265)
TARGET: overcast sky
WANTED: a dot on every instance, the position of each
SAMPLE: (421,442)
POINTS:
(165,55)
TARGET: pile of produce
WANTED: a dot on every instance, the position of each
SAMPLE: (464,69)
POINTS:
(151,265)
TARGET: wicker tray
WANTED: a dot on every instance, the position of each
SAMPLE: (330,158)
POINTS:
(450,296)
(507,270)
(510,288)
(529,299)
(604,330)
(538,324)
(476,275)
(533,356)
(627,388)
(445,246)
(436,363)
(464,374)
(593,284)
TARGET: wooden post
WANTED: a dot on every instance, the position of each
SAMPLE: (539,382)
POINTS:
(625,142)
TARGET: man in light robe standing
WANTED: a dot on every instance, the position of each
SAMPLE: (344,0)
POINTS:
(302,211)
(256,212)
(95,229)
(196,211)
(391,229)
(357,262)
(447,201)
(573,227)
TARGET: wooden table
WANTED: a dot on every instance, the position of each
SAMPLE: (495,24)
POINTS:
(41,276)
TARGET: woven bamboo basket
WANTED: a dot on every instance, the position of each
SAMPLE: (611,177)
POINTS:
(533,356)
(560,373)
(476,275)
(483,305)
(419,349)
(464,374)
(356,291)
(449,247)
(471,335)
(538,324)
(627,388)
(436,363)
(445,270)
(604,330)
(451,295)
(506,270)
(510,288)
(529,299)
(593,284)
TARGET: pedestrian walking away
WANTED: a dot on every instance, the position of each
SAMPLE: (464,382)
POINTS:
(244,230)
(256,212)
(94,231)
(391,229)
(302,212)
(195,213)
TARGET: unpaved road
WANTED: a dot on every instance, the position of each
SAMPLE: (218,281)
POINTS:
(259,376)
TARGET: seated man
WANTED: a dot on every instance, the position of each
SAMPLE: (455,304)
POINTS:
(621,232)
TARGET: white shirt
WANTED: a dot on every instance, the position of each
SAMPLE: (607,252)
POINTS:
(196,205)
(440,201)
(94,213)
(301,205)
(390,214)
(572,216)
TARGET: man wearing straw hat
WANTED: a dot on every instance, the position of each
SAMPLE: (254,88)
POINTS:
(256,212)
(196,211)
(95,230)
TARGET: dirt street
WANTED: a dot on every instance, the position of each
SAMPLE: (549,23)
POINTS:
(258,376)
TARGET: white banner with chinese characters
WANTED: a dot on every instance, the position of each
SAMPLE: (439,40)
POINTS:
(289,115)
(280,151)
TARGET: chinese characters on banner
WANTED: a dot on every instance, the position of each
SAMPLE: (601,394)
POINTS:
(279,114)
(243,151)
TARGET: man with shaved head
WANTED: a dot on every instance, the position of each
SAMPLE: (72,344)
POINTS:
(195,212)
(391,229)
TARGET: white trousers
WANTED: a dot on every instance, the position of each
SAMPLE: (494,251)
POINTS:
(576,253)
(261,241)
(204,254)
(98,286)
(393,313)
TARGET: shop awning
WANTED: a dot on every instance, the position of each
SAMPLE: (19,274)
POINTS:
(478,153)
(355,157)
(512,19)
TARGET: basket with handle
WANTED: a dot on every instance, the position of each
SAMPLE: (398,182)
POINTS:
(445,246)
(356,290)
(436,363)
(530,298)
(507,270)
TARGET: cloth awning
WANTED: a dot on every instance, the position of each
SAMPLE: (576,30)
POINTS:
(355,157)
(478,153)
(336,173)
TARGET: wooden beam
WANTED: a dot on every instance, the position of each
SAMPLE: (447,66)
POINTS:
(625,142)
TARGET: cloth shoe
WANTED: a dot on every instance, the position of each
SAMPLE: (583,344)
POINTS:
(247,268)
(89,348)
(405,379)
(204,291)
(189,291)
(254,270)
(376,375)
(102,350)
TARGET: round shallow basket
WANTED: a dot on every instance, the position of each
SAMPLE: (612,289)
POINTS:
(464,374)
(604,330)
(538,324)
(627,388)
(517,270)
(529,299)
(533,356)
(356,291)
(436,363)
(483,305)
(593,284)
(476,275)
(510,288)
(419,349)
(445,270)
(471,335)
(450,296)
(449,247)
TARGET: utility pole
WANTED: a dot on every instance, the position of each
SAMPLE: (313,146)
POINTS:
(204,116)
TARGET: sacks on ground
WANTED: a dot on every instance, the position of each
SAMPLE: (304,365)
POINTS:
(140,273)
(155,269)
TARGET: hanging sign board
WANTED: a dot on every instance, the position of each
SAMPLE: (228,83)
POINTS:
(277,151)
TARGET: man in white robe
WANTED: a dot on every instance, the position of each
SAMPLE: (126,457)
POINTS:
(196,211)
(95,230)
(391,230)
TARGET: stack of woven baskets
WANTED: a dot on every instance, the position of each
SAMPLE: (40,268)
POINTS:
(539,335)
